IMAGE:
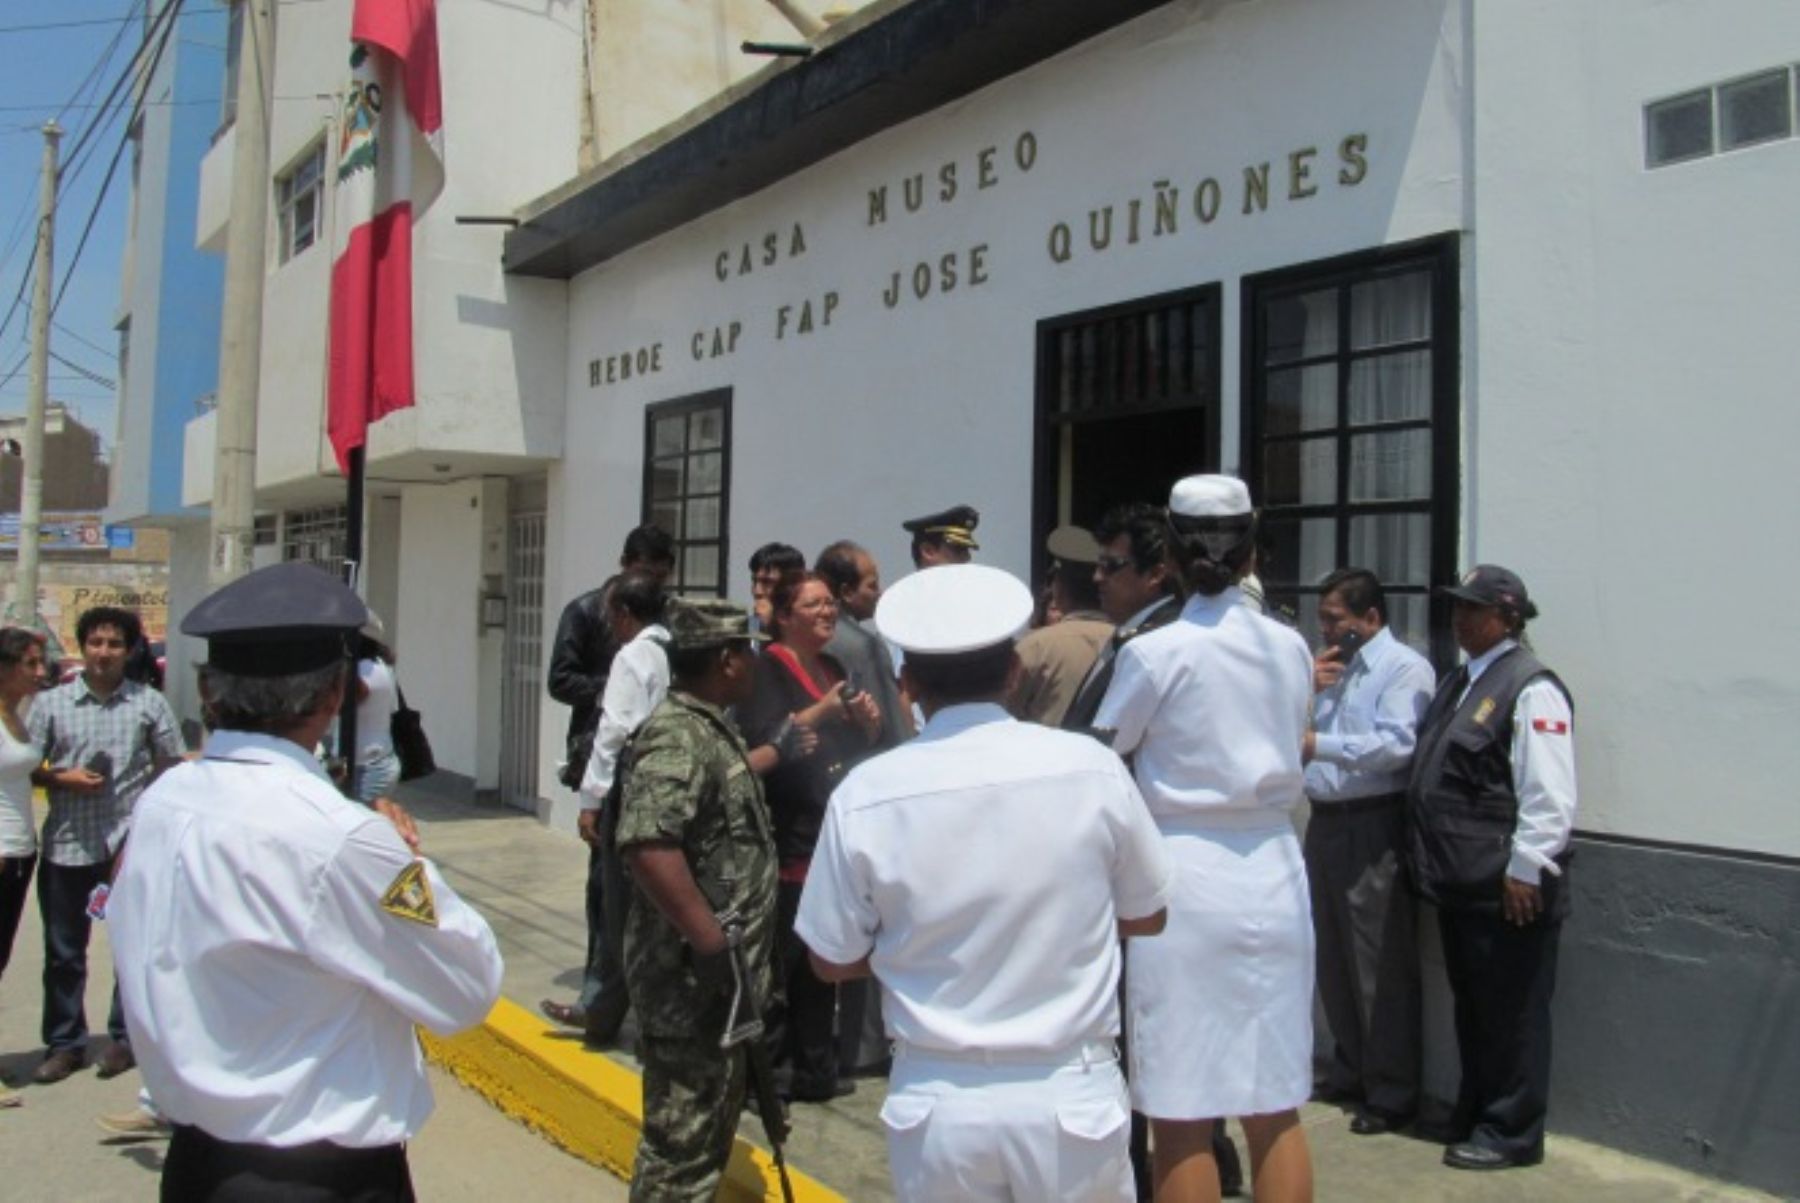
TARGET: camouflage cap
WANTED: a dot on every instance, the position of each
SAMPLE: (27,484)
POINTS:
(708,622)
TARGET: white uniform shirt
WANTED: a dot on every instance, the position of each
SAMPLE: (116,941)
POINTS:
(1368,723)
(375,713)
(1543,767)
(1224,669)
(271,998)
(985,865)
(639,680)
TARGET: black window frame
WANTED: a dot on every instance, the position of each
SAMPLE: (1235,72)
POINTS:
(1441,256)
(1048,417)
(719,399)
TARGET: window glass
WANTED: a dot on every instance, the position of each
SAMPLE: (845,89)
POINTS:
(1303,472)
(1395,547)
(1678,129)
(1394,309)
(1300,551)
(1301,399)
(686,445)
(1390,388)
(1391,466)
(1754,110)
(1301,327)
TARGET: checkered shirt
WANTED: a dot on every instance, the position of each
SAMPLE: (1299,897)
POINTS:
(128,732)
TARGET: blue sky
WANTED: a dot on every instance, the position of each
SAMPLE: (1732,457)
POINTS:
(41,71)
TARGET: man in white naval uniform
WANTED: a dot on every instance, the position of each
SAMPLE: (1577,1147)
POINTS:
(984,873)
(276,942)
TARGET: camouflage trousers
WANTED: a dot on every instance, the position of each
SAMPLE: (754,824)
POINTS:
(693,1093)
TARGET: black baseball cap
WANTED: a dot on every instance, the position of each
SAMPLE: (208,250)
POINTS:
(1492,585)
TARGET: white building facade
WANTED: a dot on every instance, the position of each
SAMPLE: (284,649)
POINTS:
(1446,282)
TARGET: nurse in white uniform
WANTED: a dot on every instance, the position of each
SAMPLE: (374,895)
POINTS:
(984,873)
(1213,710)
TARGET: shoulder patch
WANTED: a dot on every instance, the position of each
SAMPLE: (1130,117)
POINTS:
(410,896)
(1483,711)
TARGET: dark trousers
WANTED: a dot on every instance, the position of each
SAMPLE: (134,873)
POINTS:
(1502,978)
(15,883)
(1366,927)
(202,1169)
(603,995)
(62,901)
(802,1030)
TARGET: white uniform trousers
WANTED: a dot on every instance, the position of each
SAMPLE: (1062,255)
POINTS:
(1009,1126)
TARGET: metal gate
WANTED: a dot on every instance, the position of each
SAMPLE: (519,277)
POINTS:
(524,662)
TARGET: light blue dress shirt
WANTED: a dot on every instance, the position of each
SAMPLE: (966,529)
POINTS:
(1367,724)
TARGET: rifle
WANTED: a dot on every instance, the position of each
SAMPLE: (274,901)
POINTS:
(744,1027)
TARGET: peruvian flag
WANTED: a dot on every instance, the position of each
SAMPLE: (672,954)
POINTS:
(390,165)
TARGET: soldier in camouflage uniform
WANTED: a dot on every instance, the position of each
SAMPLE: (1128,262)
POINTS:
(694,832)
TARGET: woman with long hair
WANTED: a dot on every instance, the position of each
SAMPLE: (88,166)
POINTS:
(21,676)
(800,688)
(1213,709)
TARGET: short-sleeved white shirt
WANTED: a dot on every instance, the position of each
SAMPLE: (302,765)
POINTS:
(1213,707)
(271,997)
(983,867)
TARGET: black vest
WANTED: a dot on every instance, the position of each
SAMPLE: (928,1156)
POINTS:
(1461,803)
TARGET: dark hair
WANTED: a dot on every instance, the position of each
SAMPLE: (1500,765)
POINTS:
(1146,531)
(266,705)
(648,544)
(370,648)
(787,591)
(15,642)
(838,565)
(1359,589)
(1076,584)
(778,557)
(124,621)
(638,595)
(1211,553)
(969,677)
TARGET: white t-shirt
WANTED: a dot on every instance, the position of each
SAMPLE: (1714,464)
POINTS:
(375,713)
(18,831)
(983,867)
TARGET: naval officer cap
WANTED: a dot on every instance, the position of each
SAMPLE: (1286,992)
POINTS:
(954,609)
(277,621)
(955,526)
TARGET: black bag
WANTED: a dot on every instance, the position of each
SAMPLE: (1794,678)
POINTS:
(410,743)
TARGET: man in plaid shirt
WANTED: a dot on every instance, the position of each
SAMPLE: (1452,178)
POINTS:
(104,739)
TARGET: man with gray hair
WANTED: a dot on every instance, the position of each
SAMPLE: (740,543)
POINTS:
(259,900)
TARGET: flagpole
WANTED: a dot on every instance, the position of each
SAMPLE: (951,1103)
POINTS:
(353,554)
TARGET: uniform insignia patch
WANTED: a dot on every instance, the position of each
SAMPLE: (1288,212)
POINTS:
(410,896)
(1483,711)
(1550,726)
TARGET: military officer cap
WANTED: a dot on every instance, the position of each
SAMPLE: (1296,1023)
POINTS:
(954,609)
(1072,544)
(955,526)
(1492,585)
(708,622)
(278,621)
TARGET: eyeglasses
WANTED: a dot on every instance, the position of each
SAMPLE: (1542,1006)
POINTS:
(1111,564)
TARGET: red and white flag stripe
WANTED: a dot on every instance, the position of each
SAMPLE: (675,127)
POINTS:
(389,167)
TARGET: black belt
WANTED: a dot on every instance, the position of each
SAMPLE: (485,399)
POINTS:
(1356,806)
(201,1166)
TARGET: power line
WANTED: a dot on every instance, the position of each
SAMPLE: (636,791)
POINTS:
(90,344)
(84,373)
(85,22)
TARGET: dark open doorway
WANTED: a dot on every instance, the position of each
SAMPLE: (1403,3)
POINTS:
(1127,404)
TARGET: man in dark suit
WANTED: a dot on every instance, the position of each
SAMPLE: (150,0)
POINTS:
(1138,592)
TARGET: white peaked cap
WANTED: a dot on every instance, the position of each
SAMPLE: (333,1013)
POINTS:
(953,608)
(1209,497)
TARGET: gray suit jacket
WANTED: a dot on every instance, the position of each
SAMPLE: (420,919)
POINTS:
(864,654)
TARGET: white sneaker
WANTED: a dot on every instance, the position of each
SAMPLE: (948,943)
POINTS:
(136,1124)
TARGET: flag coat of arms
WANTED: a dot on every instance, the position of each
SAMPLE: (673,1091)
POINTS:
(389,167)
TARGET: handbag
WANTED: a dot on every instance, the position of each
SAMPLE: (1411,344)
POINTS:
(410,742)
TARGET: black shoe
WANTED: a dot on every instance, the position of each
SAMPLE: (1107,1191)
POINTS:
(1372,1121)
(815,1094)
(1336,1096)
(1231,1170)
(563,1013)
(1471,1156)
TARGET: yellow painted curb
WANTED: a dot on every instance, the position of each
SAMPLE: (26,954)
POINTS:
(589,1104)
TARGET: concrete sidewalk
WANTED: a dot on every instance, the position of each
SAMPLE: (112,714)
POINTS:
(529,881)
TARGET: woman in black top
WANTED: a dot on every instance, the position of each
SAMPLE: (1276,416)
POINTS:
(817,725)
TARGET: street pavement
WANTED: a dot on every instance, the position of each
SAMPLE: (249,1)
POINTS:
(529,881)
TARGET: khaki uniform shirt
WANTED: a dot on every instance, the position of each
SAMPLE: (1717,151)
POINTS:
(1055,660)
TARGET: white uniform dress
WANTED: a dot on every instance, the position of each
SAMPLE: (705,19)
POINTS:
(1214,708)
(271,995)
(983,867)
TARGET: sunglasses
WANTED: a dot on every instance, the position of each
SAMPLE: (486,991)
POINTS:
(1111,564)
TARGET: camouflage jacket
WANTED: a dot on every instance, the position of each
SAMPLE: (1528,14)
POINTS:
(688,783)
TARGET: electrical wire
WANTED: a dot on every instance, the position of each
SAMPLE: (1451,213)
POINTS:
(90,344)
(84,373)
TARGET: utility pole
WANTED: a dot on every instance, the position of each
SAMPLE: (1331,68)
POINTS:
(31,501)
(240,330)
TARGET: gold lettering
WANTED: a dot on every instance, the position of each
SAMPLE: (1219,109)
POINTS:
(769,251)
(978,265)
(830,307)
(698,346)
(744,265)
(913,186)
(947,182)
(947,272)
(922,280)
(722,266)
(1098,237)
(796,242)
(1300,174)
(1025,151)
(877,205)
(806,318)
(1207,198)
(985,175)
(781,321)
(737,328)
(656,357)
(1352,151)
(1059,243)
(593,373)
(890,296)
(1131,223)
(1256,187)
(1167,201)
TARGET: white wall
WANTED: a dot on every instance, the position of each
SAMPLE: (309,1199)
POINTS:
(189,544)
(891,413)
(1632,453)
